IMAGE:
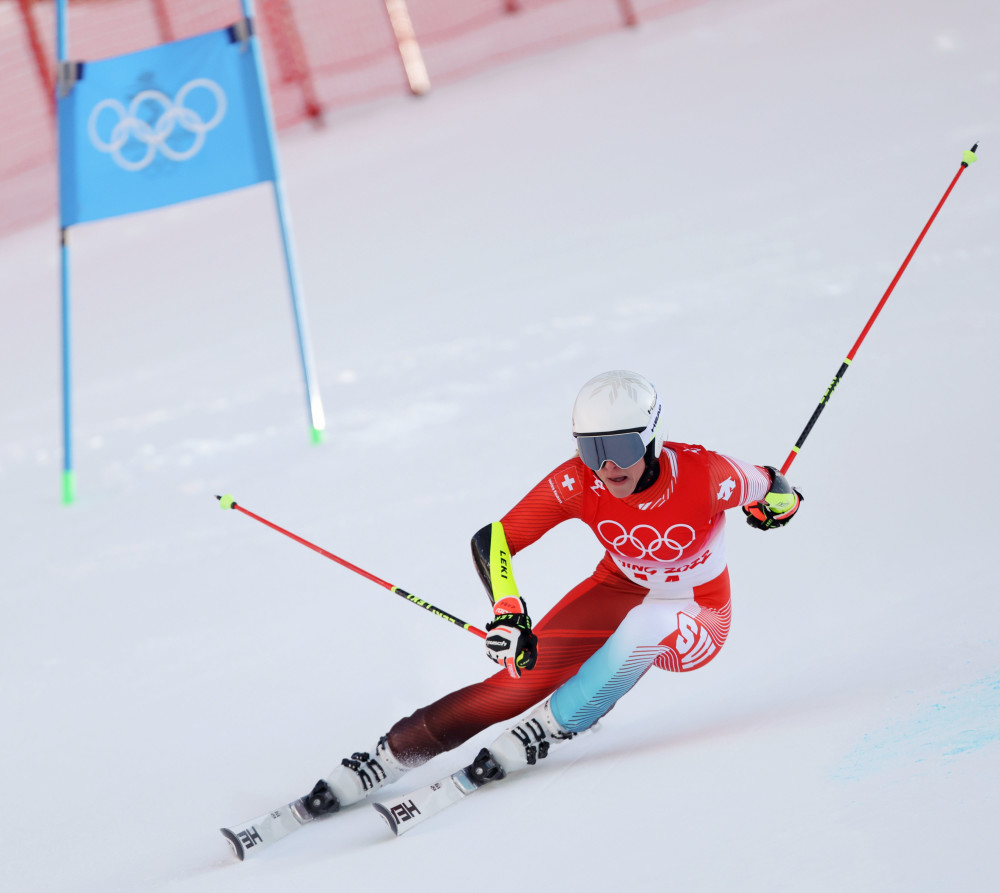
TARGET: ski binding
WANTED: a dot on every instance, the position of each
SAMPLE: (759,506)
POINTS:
(405,812)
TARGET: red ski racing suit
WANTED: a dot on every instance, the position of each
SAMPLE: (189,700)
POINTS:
(659,596)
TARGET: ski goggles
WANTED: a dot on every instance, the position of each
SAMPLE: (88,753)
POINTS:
(624,448)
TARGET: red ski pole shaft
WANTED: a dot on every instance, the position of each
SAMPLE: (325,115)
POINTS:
(227,502)
(967,158)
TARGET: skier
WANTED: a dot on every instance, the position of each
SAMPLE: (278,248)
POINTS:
(659,596)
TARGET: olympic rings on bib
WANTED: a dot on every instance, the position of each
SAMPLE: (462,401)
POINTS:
(645,541)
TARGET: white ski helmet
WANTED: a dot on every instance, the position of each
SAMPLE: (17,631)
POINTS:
(617,416)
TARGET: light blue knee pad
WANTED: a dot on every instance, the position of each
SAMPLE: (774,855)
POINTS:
(582,700)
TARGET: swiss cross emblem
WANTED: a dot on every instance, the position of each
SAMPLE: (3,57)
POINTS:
(726,488)
(568,482)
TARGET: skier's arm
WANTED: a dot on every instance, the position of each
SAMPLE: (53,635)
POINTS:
(491,555)
(778,506)
(510,642)
(767,499)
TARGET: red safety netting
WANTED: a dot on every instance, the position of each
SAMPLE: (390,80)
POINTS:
(319,55)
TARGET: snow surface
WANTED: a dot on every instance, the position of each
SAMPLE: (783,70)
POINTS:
(717,199)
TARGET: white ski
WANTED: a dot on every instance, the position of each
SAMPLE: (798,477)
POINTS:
(405,812)
(259,833)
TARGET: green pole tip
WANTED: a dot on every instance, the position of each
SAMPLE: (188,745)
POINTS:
(968,156)
(226,502)
(69,487)
(317,436)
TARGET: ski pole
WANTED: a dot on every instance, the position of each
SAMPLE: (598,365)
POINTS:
(967,158)
(227,502)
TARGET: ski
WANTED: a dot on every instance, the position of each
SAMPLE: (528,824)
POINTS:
(405,812)
(259,833)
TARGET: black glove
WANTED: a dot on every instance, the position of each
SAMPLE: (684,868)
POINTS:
(777,507)
(510,642)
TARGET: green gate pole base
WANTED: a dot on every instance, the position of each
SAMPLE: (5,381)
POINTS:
(69,487)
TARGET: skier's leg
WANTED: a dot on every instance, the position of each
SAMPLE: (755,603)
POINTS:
(355,778)
(673,634)
(568,635)
(529,740)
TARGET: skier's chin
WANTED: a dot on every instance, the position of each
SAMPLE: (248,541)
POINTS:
(620,489)
(620,482)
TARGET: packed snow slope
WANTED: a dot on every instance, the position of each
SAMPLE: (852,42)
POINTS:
(717,199)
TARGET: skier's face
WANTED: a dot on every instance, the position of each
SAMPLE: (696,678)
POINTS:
(621,482)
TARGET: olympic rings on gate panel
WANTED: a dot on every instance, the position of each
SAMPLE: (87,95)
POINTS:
(645,541)
(172,112)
